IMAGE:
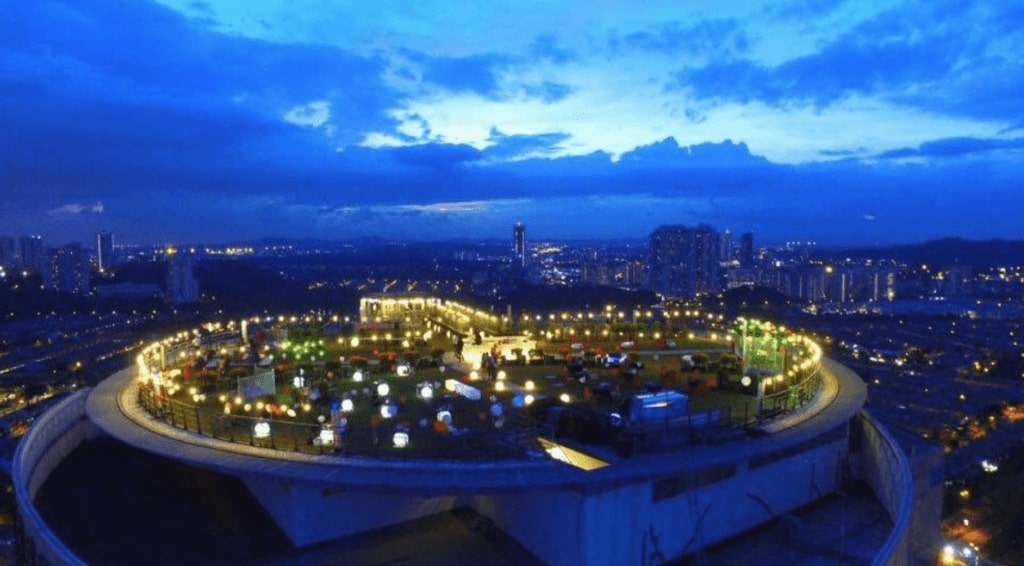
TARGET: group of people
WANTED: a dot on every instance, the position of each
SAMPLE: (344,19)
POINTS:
(488,360)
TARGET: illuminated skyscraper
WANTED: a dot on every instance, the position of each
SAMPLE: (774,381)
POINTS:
(684,261)
(68,270)
(519,243)
(32,255)
(182,287)
(104,251)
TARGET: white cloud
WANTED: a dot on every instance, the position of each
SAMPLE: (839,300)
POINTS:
(78,208)
(447,207)
(618,98)
(377,140)
(312,115)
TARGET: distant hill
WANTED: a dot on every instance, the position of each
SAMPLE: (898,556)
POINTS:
(947,251)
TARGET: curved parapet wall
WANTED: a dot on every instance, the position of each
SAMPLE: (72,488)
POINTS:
(50,439)
(888,472)
(681,500)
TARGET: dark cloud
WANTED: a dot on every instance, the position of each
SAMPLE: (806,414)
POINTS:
(954,147)
(843,152)
(435,155)
(668,153)
(1012,128)
(850,66)
(101,100)
(548,92)
(480,74)
(139,52)
(546,47)
(475,73)
(940,56)
(520,145)
(201,7)
(801,9)
(721,38)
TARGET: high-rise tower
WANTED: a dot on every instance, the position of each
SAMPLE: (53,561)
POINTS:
(182,286)
(32,254)
(68,270)
(104,251)
(747,249)
(519,243)
(684,261)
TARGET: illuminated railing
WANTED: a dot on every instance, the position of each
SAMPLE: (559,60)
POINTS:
(262,432)
(360,439)
(794,396)
(796,385)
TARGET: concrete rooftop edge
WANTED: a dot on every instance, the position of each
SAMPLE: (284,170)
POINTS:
(113,406)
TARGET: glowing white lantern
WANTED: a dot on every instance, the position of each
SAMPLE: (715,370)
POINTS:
(354,342)
(347,405)
(501,374)
(426,391)
(565,398)
(529,385)
(745,381)
(388,409)
(357,376)
(400,439)
(528,400)
(383,389)
(474,375)
(403,370)
(326,436)
(261,429)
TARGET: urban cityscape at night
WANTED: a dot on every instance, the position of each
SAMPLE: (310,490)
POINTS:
(686,283)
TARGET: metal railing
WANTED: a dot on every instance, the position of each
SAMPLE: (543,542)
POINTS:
(242,429)
(293,436)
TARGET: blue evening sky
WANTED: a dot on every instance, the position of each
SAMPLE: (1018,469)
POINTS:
(843,122)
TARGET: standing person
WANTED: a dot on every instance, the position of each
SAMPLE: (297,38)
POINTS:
(459,344)
(492,367)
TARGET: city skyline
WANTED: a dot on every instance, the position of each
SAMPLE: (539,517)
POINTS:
(845,123)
